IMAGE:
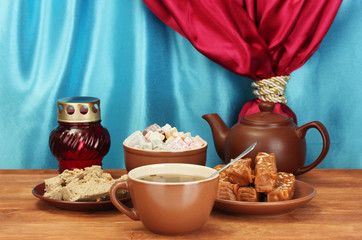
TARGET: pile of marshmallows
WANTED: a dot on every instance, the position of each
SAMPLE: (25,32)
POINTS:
(164,138)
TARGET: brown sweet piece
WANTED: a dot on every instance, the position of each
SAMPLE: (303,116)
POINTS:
(222,175)
(227,191)
(265,172)
(247,194)
(284,188)
(240,172)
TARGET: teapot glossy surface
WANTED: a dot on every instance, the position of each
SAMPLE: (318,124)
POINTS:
(275,133)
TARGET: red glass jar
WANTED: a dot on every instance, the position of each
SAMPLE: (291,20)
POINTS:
(80,140)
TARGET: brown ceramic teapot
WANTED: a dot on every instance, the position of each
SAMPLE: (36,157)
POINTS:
(275,133)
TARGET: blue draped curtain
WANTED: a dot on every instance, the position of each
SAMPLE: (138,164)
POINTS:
(144,73)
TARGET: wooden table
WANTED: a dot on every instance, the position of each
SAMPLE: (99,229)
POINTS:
(334,213)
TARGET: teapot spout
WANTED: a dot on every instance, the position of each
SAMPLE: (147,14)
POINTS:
(219,132)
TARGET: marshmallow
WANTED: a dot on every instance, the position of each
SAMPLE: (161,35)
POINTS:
(178,144)
(164,138)
(153,128)
(135,139)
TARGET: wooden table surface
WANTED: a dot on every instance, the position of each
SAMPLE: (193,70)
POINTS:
(334,213)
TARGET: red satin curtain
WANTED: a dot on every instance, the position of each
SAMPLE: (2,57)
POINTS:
(258,39)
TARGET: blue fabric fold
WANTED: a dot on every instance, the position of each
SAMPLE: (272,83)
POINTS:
(144,73)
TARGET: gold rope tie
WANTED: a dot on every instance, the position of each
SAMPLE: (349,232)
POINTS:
(271,89)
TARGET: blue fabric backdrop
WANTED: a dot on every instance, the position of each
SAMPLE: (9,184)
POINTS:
(144,73)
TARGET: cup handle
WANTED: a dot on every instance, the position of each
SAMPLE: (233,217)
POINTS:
(301,132)
(130,212)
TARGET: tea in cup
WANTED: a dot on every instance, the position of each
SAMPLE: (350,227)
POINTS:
(170,198)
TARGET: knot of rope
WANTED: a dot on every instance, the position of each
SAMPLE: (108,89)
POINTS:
(271,89)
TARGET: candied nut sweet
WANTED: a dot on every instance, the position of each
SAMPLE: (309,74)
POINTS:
(240,172)
(222,175)
(284,188)
(238,183)
(265,172)
(247,194)
(227,191)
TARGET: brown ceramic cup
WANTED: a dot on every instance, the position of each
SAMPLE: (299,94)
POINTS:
(169,208)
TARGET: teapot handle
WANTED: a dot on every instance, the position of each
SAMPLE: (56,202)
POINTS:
(301,132)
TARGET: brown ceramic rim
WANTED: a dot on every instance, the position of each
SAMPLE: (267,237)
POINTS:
(171,183)
(156,152)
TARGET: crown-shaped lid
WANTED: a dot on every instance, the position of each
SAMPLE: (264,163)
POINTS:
(266,116)
(79,109)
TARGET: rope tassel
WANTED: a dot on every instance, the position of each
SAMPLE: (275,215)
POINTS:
(271,89)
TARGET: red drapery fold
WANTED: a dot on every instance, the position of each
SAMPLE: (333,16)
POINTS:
(258,39)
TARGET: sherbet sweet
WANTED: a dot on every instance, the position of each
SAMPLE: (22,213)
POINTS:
(166,138)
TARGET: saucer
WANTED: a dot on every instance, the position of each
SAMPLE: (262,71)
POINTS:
(38,191)
(303,193)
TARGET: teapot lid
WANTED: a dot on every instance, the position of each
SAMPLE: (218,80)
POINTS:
(266,116)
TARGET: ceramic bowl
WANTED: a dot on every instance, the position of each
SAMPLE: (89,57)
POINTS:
(134,157)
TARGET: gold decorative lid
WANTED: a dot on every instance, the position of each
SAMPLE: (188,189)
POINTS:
(79,109)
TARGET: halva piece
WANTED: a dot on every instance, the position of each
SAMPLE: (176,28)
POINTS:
(90,184)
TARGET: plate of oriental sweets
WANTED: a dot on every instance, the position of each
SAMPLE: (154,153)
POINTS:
(80,190)
(262,191)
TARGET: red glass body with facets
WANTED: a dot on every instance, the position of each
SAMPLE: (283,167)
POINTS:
(79,145)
